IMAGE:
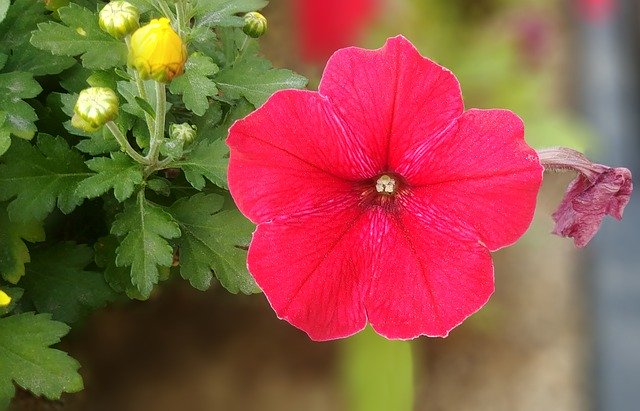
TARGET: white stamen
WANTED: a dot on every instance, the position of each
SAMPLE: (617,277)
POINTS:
(386,185)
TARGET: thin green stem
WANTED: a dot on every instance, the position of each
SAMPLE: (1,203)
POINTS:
(142,91)
(158,129)
(124,143)
(180,17)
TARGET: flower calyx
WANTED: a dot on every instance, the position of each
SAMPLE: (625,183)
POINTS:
(157,52)
(95,107)
(119,18)
(255,24)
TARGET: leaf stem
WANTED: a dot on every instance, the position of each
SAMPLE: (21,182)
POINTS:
(124,143)
(180,17)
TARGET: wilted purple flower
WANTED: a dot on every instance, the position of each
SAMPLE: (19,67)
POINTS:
(598,190)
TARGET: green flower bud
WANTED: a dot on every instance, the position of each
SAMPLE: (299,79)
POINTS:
(184,132)
(255,24)
(95,107)
(119,18)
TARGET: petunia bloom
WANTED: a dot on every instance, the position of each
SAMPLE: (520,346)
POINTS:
(378,198)
(327,25)
(598,190)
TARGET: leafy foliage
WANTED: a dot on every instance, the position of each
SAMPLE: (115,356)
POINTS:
(146,228)
(80,36)
(38,177)
(195,84)
(56,282)
(14,253)
(28,360)
(118,171)
(213,239)
(206,160)
(129,207)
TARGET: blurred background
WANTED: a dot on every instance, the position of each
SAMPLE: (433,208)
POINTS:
(562,331)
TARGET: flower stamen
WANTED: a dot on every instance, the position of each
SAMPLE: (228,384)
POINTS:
(386,185)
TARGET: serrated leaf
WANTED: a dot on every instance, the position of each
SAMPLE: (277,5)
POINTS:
(244,80)
(57,282)
(80,36)
(146,228)
(118,172)
(20,116)
(194,85)
(213,239)
(223,12)
(39,177)
(13,251)
(207,159)
(27,358)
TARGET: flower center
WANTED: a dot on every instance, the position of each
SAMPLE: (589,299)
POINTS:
(386,185)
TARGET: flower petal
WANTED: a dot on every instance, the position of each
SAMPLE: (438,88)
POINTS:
(310,269)
(482,172)
(430,276)
(391,98)
(291,155)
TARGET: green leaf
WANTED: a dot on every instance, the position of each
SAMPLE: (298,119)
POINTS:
(38,177)
(119,172)
(207,159)
(13,251)
(118,278)
(223,12)
(213,239)
(27,359)
(57,283)
(195,85)
(19,116)
(4,6)
(377,373)
(80,36)
(245,80)
(15,32)
(145,227)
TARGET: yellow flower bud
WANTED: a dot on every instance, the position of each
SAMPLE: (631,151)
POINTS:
(255,24)
(4,299)
(95,107)
(157,51)
(119,18)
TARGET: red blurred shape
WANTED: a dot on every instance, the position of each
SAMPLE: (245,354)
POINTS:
(325,26)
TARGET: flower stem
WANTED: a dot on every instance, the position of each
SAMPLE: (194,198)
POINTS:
(124,143)
(562,158)
(180,17)
(158,129)
(142,92)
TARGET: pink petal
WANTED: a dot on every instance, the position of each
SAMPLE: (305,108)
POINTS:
(310,268)
(431,275)
(480,172)
(292,155)
(586,202)
(391,98)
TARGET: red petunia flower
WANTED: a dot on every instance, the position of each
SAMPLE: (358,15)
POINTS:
(377,198)
(324,26)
